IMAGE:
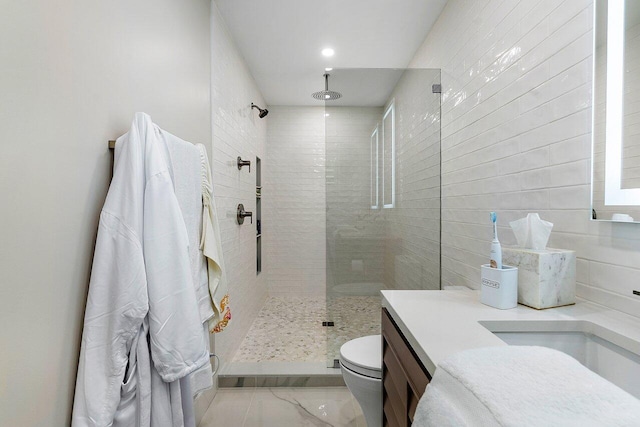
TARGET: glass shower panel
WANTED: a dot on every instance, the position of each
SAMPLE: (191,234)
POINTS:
(382,142)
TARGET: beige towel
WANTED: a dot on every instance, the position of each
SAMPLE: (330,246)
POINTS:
(211,246)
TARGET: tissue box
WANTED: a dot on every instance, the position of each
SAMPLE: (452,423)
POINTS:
(546,278)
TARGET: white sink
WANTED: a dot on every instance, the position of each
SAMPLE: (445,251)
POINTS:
(599,349)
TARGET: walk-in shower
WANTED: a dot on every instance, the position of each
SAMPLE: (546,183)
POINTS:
(353,192)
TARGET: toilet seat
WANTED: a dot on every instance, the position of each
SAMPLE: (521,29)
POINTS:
(363,356)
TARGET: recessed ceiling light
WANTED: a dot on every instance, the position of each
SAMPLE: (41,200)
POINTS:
(328,69)
(328,51)
(326,114)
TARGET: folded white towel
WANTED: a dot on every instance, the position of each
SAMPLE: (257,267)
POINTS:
(522,386)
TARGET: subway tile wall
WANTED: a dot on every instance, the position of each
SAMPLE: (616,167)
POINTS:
(293,201)
(237,131)
(516,138)
(412,226)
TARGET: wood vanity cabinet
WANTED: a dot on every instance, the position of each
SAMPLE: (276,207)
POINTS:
(404,377)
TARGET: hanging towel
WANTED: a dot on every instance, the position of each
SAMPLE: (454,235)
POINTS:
(211,246)
(522,386)
(185,165)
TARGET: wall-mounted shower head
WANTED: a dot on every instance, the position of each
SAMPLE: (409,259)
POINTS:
(326,94)
(261,112)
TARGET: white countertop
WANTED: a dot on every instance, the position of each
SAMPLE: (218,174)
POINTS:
(438,324)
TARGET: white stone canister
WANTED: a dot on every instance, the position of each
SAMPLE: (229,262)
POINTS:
(499,287)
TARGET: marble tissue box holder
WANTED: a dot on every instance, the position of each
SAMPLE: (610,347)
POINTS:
(546,278)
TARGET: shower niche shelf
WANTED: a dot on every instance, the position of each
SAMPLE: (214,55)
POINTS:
(258,215)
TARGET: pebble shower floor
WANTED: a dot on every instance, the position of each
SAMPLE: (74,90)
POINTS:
(289,329)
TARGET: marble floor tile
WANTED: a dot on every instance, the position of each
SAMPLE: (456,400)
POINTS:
(228,408)
(360,420)
(284,407)
(323,407)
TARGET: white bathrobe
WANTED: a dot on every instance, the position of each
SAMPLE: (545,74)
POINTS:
(141,308)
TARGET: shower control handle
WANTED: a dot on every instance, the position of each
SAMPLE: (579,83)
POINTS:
(242,163)
(242,214)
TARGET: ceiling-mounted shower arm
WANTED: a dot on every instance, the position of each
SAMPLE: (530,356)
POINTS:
(326,94)
(242,163)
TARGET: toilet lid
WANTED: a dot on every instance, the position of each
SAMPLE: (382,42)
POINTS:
(363,355)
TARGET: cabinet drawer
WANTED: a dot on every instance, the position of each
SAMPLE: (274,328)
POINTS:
(404,376)
(395,379)
(390,418)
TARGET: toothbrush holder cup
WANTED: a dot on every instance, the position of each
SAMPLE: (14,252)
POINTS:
(499,287)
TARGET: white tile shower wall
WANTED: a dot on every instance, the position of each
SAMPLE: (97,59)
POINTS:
(412,226)
(355,232)
(237,131)
(516,132)
(293,198)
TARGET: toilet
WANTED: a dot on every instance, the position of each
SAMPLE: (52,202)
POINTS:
(361,365)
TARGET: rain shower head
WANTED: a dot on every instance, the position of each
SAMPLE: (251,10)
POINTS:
(326,94)
(261,112)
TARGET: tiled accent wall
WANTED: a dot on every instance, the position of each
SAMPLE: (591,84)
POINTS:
(355,232)
(412,226)
(237,131)
(516,138)
(293,201)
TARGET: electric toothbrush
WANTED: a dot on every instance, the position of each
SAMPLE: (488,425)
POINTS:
(496,249)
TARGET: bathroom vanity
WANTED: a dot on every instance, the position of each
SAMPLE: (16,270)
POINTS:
(422,328)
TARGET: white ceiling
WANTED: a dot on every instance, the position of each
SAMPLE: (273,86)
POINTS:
(281,42)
